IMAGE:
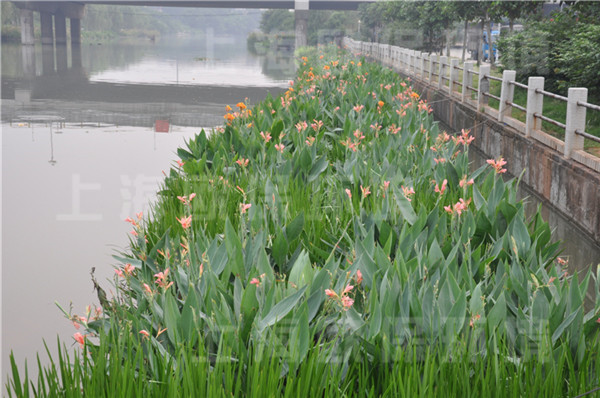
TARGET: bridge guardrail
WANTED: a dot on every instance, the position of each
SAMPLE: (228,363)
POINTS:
(444,73)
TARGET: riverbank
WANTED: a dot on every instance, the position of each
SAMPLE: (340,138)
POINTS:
(336,231)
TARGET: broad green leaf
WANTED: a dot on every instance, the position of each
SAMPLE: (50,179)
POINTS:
(294,228)
(280,310)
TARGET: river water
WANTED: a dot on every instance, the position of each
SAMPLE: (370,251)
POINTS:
(80,154)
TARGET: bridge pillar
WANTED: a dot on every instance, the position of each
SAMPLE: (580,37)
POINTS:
(46,26)
(301,17)
(75,31)
(26,17)
(61,58)
(47,59)
(60,28)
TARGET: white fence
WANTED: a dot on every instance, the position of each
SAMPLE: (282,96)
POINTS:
(440,72)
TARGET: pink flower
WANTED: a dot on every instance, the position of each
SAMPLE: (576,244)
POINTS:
(365,191)
(407,192)
(266,136)
(449,209)
(443,188)
(348,289)
(245,207)
(280,147)
(161,279)
(497,165)
(316,125)
(359,277)
(348,193)
(128,269)
(464,182)
(192,196)
(301,126)
(242,162)
(310,140)
(439,160)
(147,288)
(347,302)
(185,222)
(255,281)
(119,272)
(79,338)
(330,293)
(358,108)
(145,333)
(359,135)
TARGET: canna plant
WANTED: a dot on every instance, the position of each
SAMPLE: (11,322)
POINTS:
(339,215)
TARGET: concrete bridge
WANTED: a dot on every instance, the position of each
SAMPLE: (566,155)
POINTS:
(59,11)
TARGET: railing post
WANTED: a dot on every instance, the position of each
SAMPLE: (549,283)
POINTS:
(422,65)
(467,78)
(483,86)
(414,64)
(575,120)
(535,104)
(430,68)
(507,93)
(442,69)
(453,75)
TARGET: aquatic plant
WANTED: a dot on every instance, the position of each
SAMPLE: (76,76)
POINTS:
(336,224)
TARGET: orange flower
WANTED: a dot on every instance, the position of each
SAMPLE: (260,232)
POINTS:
(380,104)
(241,105)
(229,117)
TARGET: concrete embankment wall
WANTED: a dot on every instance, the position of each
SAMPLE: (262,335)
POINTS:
(568,186)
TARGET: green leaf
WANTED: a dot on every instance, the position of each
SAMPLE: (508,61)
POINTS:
(299,337)
(172,315)
(375,318)
(280,249)
(301,273)
(318,167)
(294,228)
(234,250)
(405,207)
(564,324)
(280,310)
(497,314)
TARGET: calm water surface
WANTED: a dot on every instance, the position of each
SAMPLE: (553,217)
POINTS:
(80,154)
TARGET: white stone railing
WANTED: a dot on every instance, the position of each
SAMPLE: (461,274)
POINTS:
(443,73)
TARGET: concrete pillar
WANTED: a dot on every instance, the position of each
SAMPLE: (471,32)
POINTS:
(47,60)
(27,37)
(301,27)
(61,58)
(46,26)
(28,57)
(60,28)
(442,71)
(535,104)
(575,120)
(430,74)
(76,56)
(484,85)
(467,79)
(75,31)
(506,94)
(453,75)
